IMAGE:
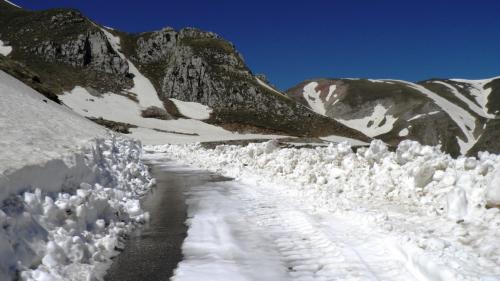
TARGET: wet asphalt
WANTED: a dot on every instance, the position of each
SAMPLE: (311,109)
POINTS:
(153,252)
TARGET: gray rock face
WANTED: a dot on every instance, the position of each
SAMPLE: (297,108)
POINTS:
(198,66)
(88,50)
(158,45)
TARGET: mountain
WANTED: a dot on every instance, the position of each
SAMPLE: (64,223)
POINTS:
(460,115)
(90,67)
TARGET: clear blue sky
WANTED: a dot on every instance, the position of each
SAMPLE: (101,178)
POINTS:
(290,41)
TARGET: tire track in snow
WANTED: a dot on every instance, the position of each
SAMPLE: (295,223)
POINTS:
(267,236)
(322,247)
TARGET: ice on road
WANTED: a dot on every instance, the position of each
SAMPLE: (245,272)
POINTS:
(244,232)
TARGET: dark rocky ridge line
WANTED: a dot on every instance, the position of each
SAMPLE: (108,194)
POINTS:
(67,50)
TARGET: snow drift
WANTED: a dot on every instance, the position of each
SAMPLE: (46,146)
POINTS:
(443,212)
(72,234)
(68,189)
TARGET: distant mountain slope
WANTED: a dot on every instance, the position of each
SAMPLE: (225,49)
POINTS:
(68,50)
(458,114)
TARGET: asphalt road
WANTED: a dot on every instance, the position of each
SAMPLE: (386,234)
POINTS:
(153,252)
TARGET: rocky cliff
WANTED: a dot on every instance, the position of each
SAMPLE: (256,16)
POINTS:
(69,50)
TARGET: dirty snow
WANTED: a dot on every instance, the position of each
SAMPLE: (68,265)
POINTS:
(193,110)
(380,215)
(373,125)
(5,50)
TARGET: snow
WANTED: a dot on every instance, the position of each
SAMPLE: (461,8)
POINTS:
(380,81)
(370,125)
(404,132)
(12,4)
(143,88)
(119,108)
(331,90)
(339,139)
(265,85)
(68,189)
(40,130)
(413,210)
(313,98)
(478,91)
(480,94)
(464,120)
(192,110)
(4,50)
(422,115)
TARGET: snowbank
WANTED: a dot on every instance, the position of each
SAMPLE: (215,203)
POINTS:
(440,209)
(71,231)
(67,195)
(460,189)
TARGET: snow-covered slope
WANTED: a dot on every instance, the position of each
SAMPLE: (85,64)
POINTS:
(453,113)
(120,108)
(35,129)
(143,88)
(68,189)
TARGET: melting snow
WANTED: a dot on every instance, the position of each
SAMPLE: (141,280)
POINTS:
(371,125)
(143,88)
(464,120)
(478,91)
(262,83)
(481,97)
(12,4)
(331,90)
(313,98)
(340,139)
(192,110)
(152,131)
(404,132)
(5,50)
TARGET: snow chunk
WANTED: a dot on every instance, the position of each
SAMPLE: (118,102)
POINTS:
(192,110)
(5,50)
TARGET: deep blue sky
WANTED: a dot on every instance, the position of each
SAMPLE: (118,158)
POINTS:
(290,41)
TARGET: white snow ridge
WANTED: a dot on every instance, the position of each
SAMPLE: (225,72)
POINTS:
(328,213)
(68,189)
